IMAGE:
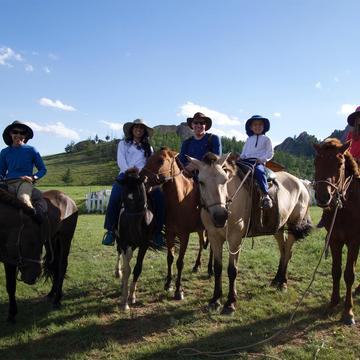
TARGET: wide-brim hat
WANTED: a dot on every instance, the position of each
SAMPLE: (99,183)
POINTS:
(200,117)
(351,118)
(29,134)
(257,117)
(127,128)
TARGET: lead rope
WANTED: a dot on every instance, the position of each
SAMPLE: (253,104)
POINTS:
(230,352)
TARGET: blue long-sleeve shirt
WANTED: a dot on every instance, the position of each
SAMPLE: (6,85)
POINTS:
(18,161)
(198,148)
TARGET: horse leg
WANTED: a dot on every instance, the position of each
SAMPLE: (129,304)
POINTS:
(179,292)
(170,243)
(229,306)
(210,263)
(10,273)
(285,243)
(201,246)
(137,272)
(216,246)
(117,271)
(349,277)
(126,269)
(336,254)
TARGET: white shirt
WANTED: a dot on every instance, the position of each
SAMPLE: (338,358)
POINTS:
(258,147)
(130,155)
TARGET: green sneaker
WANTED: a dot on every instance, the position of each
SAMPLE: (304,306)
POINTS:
(108,239)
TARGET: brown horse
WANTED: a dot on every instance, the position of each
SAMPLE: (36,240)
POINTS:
(226,214)
(337,190)
(182,210)
(22,239)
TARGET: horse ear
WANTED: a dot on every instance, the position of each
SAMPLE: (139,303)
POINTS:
(174,153)
(221,161)
(195,162)
(345,146)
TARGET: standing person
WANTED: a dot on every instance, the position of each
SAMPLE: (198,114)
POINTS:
(17,163)
(201,142)
(257,151)
(354,134)
(132,152)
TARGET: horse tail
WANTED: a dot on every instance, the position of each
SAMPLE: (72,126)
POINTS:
(303,228)
(49,259)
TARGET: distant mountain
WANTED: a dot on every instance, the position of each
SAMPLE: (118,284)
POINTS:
(181,130)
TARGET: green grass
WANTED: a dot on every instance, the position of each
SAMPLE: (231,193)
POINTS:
(91,325)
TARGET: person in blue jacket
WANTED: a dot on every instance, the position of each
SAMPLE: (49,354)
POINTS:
(17,162)
(201,142)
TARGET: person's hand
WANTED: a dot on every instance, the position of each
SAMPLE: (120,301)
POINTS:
(28,179)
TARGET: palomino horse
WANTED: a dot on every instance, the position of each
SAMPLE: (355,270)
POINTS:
(21,241)
(182,210)
(226,213)
(337,190)
(135,230)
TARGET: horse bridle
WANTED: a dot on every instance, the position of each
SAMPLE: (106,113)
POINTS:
(161,180)
(339,189)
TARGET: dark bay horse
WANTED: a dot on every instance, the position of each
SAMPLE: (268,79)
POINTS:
(226,213)
(182,210)
(337,188)
(22,239)
(135,230)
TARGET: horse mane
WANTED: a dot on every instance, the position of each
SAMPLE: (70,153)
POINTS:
(210,158)
(9,199)
(351,165)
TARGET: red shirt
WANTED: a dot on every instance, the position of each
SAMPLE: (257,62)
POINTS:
(354,147)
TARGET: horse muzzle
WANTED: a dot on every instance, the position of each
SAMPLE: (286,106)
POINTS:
(30,274)
(219,216)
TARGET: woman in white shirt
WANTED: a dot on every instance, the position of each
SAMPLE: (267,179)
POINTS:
(257,151)
(132,152)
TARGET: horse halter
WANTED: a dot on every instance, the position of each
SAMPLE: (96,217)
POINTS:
(339,189)
(159,178)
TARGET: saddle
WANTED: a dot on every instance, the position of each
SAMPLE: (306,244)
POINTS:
(262,221)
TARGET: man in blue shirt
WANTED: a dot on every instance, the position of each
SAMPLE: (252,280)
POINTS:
(17,161)
(202,142)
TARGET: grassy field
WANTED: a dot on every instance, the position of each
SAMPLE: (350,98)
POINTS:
(91,325)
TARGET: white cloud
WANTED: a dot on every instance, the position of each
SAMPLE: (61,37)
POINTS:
(29,68)
(58,129)
(113,126)
(53,56)
(189,109)
(347,109)
(55,104)
(230,133)
(46,69)
(8,55)
(277,114)
(336,79)
(318,85)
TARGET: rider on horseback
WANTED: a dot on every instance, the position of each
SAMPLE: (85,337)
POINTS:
(17,161)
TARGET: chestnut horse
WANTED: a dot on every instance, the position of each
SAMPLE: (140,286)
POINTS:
(21,242)
(337,191)
(182,210)
(226,213)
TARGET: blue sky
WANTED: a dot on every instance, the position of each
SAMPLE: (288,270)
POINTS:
(73,69)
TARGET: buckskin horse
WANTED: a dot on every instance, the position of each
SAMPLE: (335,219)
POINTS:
(337,191)
(22,239)
(226,206)
(182,211)
(135,230)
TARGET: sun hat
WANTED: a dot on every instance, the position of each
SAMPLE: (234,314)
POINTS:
(29,134)
(257,117)
(351,118)
(200,117)
(127,128)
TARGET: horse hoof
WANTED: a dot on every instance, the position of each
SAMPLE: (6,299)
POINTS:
(126,308)
(282,287)
(214,306)
(228,310)
(349,320)
(274,283)
(179,295)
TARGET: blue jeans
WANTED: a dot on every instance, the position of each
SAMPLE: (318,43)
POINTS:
(260,175)
(114,206)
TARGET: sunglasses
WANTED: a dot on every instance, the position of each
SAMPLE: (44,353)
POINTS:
(18,132)
(199,122)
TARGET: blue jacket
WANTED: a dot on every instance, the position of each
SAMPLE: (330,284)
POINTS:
(17,161)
